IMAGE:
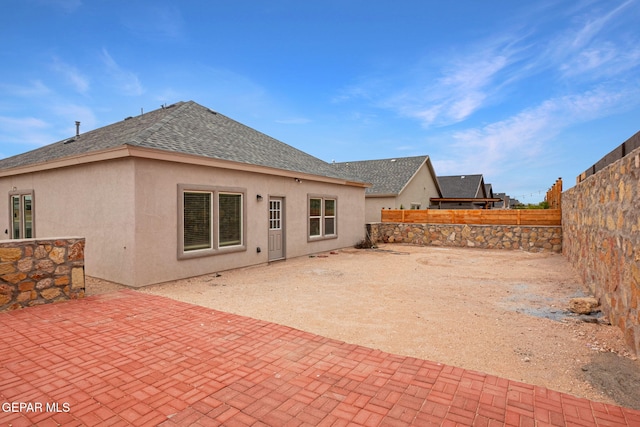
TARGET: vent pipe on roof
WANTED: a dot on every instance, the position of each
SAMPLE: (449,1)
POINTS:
(77,128)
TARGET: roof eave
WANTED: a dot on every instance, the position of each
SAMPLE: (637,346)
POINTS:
(126,150)
(95,156)
(171,156)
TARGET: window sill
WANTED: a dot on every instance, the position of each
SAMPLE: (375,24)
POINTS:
(210,252)
(319,238)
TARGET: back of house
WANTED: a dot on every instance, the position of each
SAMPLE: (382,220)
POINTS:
(179,192)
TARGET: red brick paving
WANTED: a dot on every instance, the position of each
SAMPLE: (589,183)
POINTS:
(129,358)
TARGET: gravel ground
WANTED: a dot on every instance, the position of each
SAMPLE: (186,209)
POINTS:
(499,312)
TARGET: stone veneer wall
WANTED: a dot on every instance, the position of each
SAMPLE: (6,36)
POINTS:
(601,228)
(524,237)
(40,271)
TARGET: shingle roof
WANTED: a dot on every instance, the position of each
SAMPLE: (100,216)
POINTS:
(461,186)
(387,176)
(184,127)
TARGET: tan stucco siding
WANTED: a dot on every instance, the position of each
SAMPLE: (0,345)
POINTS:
(157,218)
(375,204)
(127,209)
(419,190)
(94,201)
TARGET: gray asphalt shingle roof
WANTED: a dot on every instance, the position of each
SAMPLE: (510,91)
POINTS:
(461,186)
(387,176)
(184,127)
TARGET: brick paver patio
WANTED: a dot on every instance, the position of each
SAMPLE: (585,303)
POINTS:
(129,358)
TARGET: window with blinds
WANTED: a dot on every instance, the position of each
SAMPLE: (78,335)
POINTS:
(211,220)
(198,221)
(322,217)
(230,219)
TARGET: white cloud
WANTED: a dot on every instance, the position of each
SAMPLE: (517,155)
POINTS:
(70,113)
(35,88)
(518,141)
(594,26)
(597,45)
(126,81)
(72,75)
(24,131)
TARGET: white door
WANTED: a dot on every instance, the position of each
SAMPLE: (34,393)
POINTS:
(276,228)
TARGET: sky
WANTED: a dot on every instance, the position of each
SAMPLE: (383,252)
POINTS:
(521,92)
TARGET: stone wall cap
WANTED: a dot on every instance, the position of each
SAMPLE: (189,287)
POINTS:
(39,239)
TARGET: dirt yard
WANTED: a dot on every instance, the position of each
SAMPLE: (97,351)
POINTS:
(499,312)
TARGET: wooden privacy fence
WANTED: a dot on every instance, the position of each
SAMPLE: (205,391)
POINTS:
(554,195)
(475,216)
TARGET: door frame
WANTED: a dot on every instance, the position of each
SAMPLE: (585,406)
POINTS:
(283,222)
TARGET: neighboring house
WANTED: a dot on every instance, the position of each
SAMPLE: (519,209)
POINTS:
(179,192)
(463,192)
(488,191)
(505,201)
(400,183)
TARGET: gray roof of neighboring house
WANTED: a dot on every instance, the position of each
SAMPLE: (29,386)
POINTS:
(188,128)
(488,190)
(386,176)
(462,186)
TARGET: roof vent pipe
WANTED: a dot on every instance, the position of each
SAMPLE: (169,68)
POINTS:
(77,128)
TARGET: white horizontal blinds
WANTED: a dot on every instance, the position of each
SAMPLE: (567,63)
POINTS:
(230,219)
(315,217)
(16,217)
(329,217)
(28,216)
(198,220)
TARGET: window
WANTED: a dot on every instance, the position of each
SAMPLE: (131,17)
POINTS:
(322,217)
(210,220)
(275,214)
(230,219)
(22,218)
(197,221)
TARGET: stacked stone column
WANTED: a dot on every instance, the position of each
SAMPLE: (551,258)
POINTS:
(40,271)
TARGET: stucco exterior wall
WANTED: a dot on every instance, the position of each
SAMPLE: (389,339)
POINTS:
(419,190)
(157,218)
(127,209)
(94,200)
(601,229)
(375,204)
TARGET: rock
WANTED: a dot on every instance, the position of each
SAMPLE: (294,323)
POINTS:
(588,319)
(584,305)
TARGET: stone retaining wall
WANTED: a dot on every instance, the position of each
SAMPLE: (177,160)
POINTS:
(527,238)
(601,224)
(40,271)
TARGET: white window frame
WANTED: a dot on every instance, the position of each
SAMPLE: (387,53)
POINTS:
(216,247)
(322,217)
(21,195)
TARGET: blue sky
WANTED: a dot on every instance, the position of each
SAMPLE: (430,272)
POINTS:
(521,92)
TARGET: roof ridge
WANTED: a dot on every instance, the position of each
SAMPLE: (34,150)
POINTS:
(422,156)
(145,133)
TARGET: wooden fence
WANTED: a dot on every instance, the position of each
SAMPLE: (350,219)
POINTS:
(554,195)
(475,216)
